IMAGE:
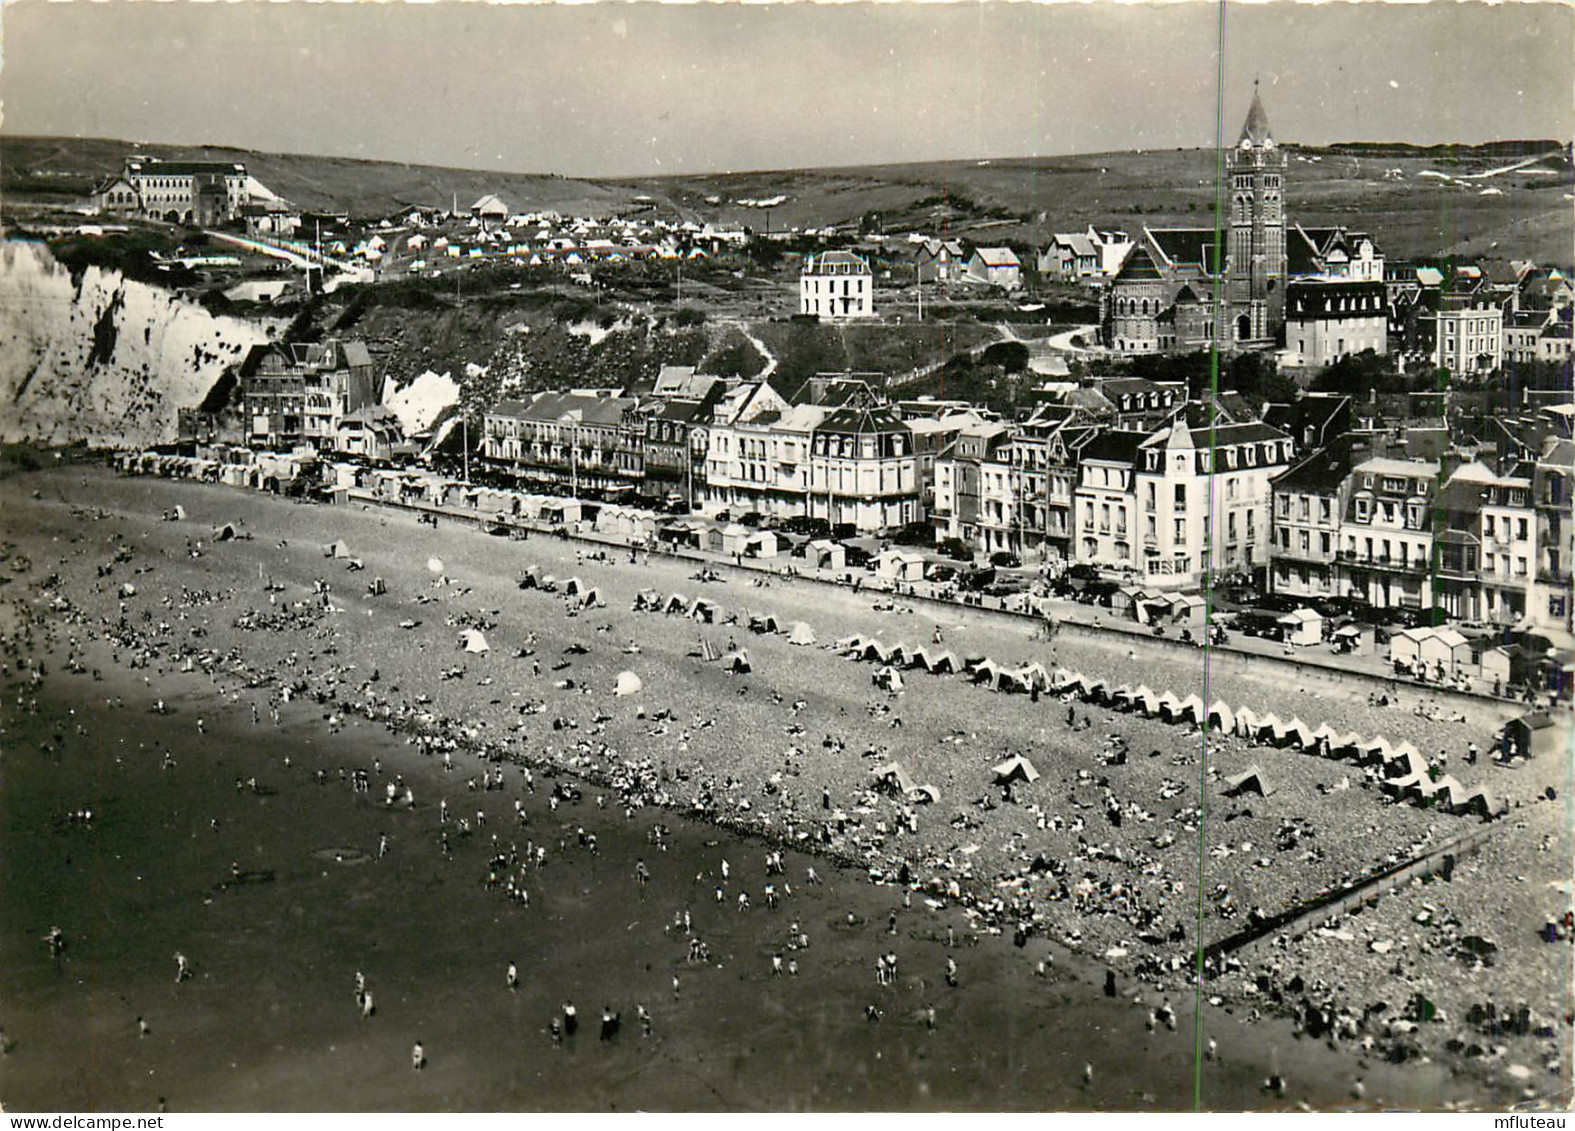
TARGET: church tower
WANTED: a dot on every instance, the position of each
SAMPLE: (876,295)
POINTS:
(1256,252)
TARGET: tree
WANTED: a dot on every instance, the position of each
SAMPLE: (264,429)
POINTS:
(1010,356)
(1357,375)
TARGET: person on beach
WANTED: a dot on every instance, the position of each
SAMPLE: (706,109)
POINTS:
(513,978)
(418,1057)
(367,1008)
(951,971)
(571,1018)
(182,969)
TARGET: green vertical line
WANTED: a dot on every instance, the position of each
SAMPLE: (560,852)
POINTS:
(1208,533)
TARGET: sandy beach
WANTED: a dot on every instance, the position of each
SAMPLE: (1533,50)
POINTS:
(271,1000)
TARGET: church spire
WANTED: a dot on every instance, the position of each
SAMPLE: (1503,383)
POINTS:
(1256,128)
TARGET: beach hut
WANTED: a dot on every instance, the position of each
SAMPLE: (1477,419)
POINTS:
(1405,646)
(1534,735)
(1355,639)
(1221,717)
(1301,627)
(1250,780)
(473,641)
(899,565)
(732,539)
(1125,600)
(892,778)
(762,544)
(705,610)
(628,684)
(677,603)
(825,554)
(1014,769)
(801,634)
(1187,608)
(336,550)
(1447,649)
(737,662)
(1506,665)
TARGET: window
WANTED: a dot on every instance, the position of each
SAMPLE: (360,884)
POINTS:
(1487,526)
(1520,529)
(1362,510)
(1306,539)
(1324,509)
(1181,530)
(1323,543)
(1302,509)
(1520,567)
(1181,498)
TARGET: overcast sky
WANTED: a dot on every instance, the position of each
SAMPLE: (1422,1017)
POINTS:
(611,89)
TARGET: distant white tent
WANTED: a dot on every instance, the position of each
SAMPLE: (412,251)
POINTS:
(336,550)
(628,684)
(737,662)
(473,641)
(179,512)
(889,679)
(1015,768)
(801,634)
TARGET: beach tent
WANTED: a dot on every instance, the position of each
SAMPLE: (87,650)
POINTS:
(529,579)
(705,610)
(1191,708)
(706,651)
(853,644)
(737,662)
(1299,734)
(1146,700)
(574,586)
(336,550)
(893,777)
(1481,801)
(1302,626)
(128,590)
(1405,646)
(1250,780)
(179,513)
(226,532)
(472,640)
(1036,675)
(1246,722)
(772,624)
(591,597)
(1093,690)
(801,634)
(1221,717)
(940,662)
(924,795)
(1169,707)
(824,554)
(1061,680)
(888,679)
(676,604)
(647,599)
(1015,768)
(628,684)
(1268,726)
(985,672)
(1374,749)
(1403,784)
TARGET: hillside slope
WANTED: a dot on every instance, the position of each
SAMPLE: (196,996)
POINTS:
(1507,200)
(101,358)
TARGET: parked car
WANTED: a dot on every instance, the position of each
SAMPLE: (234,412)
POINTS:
(803,524)
(752,518)
(1005,559)
(857,557)
(941,573)
(844,530)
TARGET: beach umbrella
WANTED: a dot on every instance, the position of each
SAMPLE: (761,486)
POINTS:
(628,684)
(435,565)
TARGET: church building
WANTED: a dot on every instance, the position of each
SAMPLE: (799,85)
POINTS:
(1179,290)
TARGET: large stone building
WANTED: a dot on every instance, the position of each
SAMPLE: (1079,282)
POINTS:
(583,442)
(1180,503)
(186,192)
(297,394)
(1186,288)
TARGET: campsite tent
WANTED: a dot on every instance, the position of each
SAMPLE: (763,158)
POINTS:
(628,684)
(1303,626)
(1015,768)
(472,640)
(801,634)
(1250,780)
(336,550)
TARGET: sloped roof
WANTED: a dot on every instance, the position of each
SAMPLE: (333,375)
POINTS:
(1185,247)
(997,256)
(1139,266)
(1114,446)
(863,421)
(1256,128)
